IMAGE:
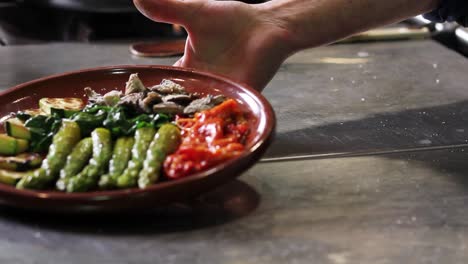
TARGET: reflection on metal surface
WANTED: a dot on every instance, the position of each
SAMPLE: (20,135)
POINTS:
(421,20)
(392,33)
(462,35)
(361,153)
(330,60)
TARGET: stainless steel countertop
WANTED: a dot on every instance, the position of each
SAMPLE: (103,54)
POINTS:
(401,208)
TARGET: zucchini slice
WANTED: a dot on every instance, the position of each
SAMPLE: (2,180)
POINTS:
(15,128)
(10,177)
(22,146)
(21,162)
(33,112)
(11,146)
(65,107)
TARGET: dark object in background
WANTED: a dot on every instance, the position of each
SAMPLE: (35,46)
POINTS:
(93,6)
(96,6)
(32,21)
(166,48)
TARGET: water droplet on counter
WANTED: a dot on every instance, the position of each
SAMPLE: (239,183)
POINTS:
(424,142)
(363,99)
(353,81)
(437,81)
(363,54)
(435,65)
(332,78)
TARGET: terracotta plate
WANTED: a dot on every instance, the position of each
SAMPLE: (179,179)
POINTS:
(71,84)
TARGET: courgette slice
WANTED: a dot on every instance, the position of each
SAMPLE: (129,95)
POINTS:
(15,128)
(11,146)
(33,112)
(8,145)
(65,107)
(21,162)
(10,177)
(21,146)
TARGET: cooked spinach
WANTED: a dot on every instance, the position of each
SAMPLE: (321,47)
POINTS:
(120,120)
(42,130)
(88,121)
(23,116)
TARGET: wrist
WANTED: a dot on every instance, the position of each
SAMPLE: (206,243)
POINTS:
(289,17)
(284,34)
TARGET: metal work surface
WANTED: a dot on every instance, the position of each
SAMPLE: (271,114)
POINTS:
(399,208)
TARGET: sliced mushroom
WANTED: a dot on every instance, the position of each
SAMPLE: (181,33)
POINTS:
(150,99)
(112,98)
(134,85)
(182,99)
(204,103)
(93,96)
(168,108)
(218,99)
(168,87)
(132,101)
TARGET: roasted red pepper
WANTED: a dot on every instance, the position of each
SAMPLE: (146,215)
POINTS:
(209,138)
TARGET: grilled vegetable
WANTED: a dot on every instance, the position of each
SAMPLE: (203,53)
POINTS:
(12,146)
(63,107)
(76,161)
(102,152)
(11,177)
(143,138)
(120,158)
(15,128)
(109,99)
(89,121)
(166,141)
(43,129)
(21,162)
(62,145)
(33,112)
(134,85)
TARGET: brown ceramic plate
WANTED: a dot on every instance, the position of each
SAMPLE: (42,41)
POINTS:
(71,84)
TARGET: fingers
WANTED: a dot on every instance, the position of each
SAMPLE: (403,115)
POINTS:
(179,62)
(169,11)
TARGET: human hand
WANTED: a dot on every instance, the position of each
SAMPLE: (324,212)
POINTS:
(241,41)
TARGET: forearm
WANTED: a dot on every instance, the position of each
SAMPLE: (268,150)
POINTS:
(316,22)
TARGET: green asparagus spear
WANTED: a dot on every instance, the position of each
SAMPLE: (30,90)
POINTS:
(143,138)
(165,142)
(76,161)
(120,158)
(102,152)
(62,145)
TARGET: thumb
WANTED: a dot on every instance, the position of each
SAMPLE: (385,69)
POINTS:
(169,11)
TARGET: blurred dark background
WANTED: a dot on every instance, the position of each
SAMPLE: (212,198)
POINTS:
(43,21)
(35,21)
